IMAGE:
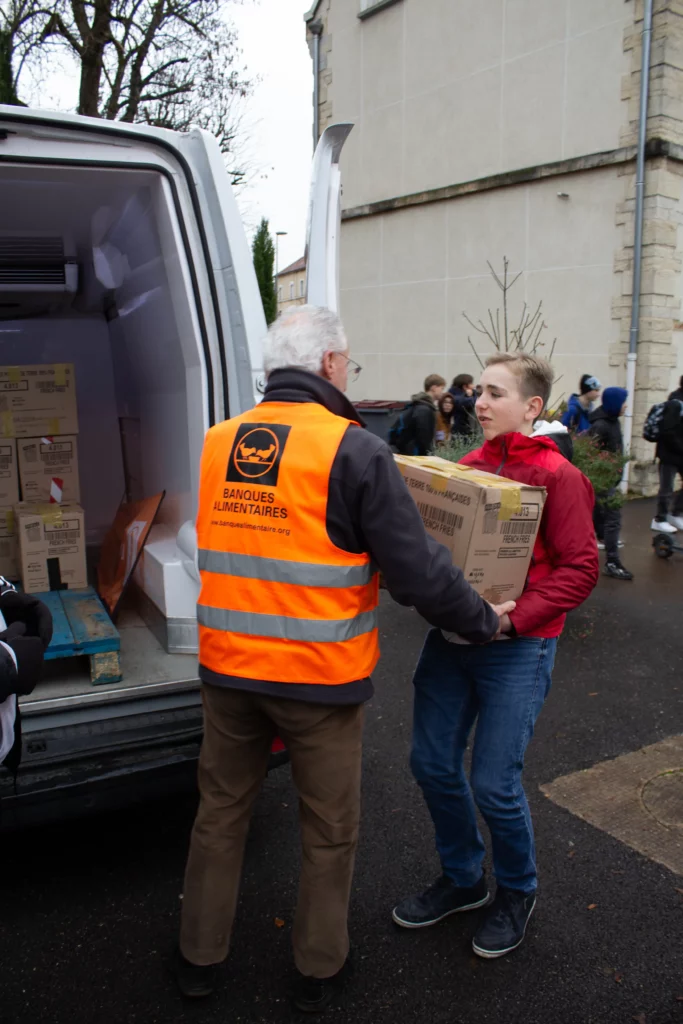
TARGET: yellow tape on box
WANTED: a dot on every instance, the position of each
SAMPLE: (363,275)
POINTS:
(510,493)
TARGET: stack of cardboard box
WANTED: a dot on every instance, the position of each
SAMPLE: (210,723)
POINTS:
(42,536)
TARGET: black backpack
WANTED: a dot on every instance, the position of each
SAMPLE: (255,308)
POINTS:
(663,419)
(402,432)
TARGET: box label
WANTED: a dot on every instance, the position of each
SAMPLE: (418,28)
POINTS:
(440,520)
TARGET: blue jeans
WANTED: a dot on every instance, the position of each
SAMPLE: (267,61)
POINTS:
(503,685)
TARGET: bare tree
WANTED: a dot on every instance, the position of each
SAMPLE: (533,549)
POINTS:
(527,336)
(21,27)
(170,63)
(214,102)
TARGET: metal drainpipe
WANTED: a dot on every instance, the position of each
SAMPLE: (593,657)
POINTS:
(638,239)
(316,29)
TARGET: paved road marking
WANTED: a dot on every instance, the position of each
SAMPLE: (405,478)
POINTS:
(637,798)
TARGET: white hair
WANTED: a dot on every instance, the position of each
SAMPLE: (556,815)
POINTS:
(301,336)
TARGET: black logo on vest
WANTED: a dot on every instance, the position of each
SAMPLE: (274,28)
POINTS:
(256,453)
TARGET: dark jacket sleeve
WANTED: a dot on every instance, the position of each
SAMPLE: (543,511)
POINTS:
(417,569)
(424,419)
(464,418)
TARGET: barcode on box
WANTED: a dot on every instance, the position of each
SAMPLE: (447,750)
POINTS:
(439,519)
(518,526)
(63,535)
(55,458)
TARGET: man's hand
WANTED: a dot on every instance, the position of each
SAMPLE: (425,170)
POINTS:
(503,612)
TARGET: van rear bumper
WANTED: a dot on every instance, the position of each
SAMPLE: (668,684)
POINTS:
(118,779)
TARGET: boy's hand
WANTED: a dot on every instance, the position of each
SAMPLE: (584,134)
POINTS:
(503,612)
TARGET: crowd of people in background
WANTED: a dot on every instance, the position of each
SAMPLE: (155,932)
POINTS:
(436,417)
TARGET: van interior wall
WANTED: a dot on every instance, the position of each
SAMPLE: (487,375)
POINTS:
(132,332)
(83,341)
(155,350)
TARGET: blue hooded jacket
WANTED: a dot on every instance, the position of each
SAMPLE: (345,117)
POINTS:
(576,419)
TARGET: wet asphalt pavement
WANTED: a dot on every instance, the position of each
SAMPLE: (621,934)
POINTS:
(90,911)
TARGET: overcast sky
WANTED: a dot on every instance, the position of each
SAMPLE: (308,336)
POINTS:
(278,117)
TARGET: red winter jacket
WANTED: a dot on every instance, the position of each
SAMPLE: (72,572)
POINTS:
(564,565)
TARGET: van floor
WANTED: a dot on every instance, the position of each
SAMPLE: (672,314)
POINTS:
(144,662)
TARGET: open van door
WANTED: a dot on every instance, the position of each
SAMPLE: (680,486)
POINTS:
(157,307)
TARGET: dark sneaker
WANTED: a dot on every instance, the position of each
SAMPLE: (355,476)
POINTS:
(439,901)
(194,980)
(504,924)
(313,995)
(617,571)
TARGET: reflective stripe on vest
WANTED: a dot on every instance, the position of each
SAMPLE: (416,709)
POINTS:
(276,570)
(318,631)
(279,600)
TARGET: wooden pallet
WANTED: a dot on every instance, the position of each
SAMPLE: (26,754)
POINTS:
(83,627)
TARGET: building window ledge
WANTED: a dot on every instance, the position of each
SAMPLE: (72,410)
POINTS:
(375,8)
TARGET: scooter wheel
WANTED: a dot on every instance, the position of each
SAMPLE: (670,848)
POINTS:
(663,545)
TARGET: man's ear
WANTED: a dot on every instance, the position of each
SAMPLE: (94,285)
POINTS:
(327,365)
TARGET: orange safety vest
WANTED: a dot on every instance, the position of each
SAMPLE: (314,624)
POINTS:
(279,601)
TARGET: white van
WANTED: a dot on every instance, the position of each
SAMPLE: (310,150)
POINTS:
(122,252)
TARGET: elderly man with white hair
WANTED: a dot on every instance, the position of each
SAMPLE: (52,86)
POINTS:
(299,506)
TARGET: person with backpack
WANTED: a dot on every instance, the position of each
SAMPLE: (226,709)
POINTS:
(677,395)
(413,433)
(664,426)
(579,407)
(606,430)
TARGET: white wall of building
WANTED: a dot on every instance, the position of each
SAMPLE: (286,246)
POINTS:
(445,91)
(408,276)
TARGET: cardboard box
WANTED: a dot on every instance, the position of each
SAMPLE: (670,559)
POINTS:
(9,473)
(48,467)
(488,523)
(10,567)
(38,401)
(51,546)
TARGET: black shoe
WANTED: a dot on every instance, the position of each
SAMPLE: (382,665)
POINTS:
(440,900)
(194,980)
(313,995)
(504,923)
(617,571)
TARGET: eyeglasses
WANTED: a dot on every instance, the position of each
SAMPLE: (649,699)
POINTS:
(353,367)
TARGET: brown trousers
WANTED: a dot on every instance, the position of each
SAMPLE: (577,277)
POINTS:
(324,743)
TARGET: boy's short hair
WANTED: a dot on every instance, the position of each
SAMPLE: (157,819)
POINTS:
(462,380)
(536,375)
(434,380)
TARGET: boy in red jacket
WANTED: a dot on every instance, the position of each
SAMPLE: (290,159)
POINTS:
(502,685)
